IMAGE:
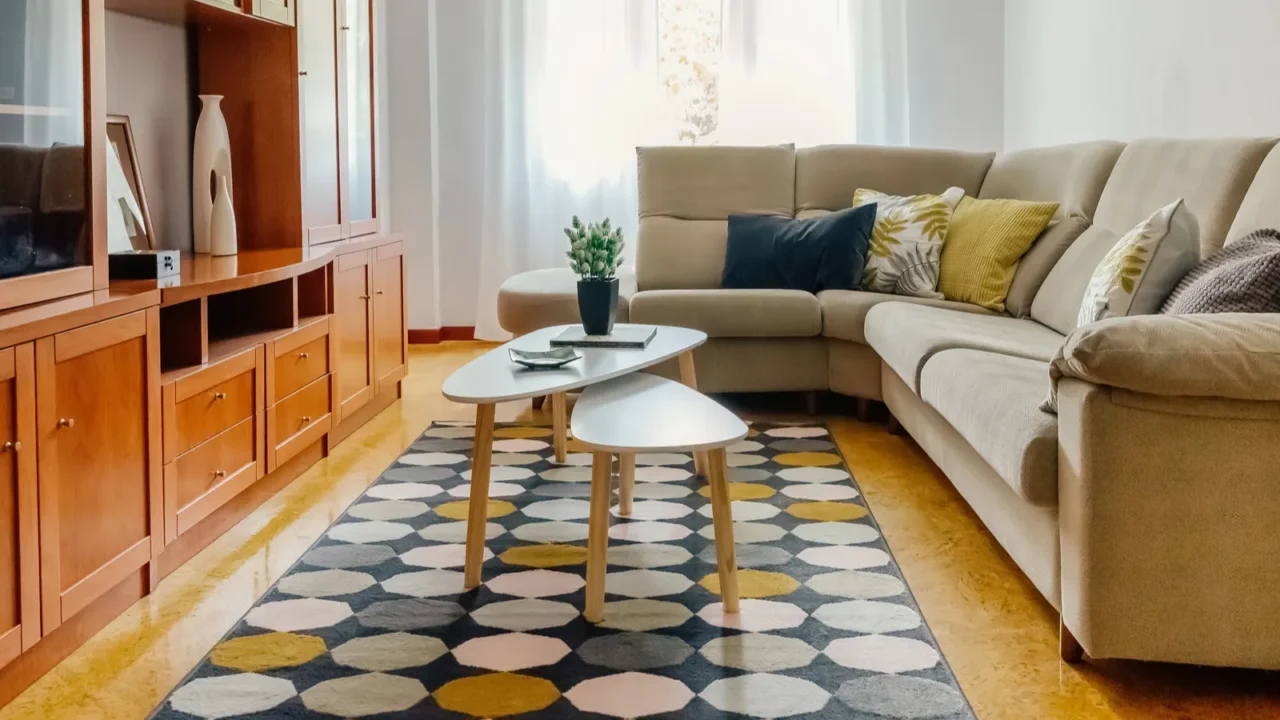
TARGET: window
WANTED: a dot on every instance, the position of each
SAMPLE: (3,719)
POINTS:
(689,52)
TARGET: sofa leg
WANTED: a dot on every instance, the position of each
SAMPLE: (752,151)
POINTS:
(538,401)
(811,402)
(864,409)
(895,427)
(1068,646)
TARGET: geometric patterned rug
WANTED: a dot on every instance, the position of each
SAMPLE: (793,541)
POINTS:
(372,621)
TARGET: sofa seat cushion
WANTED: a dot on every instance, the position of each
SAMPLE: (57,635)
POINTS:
(907,336)
(542,298)
(992,401)
(732,313)
(844,312)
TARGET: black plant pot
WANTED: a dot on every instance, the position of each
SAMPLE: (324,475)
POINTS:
(597,301)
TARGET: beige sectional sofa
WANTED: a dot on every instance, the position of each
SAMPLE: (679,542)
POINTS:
(1148,510)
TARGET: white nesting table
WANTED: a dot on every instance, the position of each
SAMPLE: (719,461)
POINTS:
(493,378)
(649,414)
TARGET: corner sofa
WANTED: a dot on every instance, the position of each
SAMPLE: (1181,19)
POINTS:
(1148,510)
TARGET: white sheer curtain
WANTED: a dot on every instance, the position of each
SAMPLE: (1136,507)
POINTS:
(560,92)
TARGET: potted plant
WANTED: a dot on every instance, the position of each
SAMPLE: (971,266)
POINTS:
(595,250)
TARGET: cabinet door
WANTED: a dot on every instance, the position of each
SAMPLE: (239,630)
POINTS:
(389,346)
(19,536)
(98,429)
(352,328)
(280,11)
(356,50)
(317,23)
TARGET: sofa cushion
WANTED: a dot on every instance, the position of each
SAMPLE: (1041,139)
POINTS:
(986,241)
(1259,208)
(542,298)
(731,313)
(844,312)
(816,254)
(827,176)
(906,336)
(1005,427)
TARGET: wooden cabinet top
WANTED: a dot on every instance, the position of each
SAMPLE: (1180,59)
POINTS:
(29,322)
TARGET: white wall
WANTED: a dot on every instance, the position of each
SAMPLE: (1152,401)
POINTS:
(1091,69)
(955,73)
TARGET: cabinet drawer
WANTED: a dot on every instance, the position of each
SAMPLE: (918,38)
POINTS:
(205,478)
(211,411)
(297,421)
(294,369)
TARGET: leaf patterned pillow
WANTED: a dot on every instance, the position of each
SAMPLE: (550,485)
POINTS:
(1136,275)
(906,244)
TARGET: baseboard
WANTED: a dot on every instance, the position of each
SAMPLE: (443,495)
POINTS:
(443,334)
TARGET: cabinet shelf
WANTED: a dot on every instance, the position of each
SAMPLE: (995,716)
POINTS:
(41,110)
(223,349)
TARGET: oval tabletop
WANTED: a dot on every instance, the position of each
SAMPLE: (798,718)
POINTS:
(493,377)
(647,413)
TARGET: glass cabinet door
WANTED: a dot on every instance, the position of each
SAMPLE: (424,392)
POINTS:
(357,31)
(317,24)
(43,178)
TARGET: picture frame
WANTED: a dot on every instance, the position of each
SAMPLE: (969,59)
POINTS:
(120,144)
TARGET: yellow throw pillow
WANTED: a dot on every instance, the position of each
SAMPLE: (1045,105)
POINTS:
(986,241)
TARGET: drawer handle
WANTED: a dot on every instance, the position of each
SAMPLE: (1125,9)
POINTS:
(219,396)
(14,445)
(219,473)
(66,422)
(364,297)
(306,419)
(304,355)
(379,293)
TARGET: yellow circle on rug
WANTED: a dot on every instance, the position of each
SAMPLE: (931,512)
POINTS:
(457,510)
(545,556)
(496,695)
(755,583)
(827,511)
(256,653)
(742,491)
(522,432)
(807,459)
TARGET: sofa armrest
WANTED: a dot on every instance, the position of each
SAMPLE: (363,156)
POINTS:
(1229,355)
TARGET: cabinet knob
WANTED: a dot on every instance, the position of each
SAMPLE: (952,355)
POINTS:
(66,422)
(303,73)
(219,396)
(364,297)
(219,473)
(304,355)
(345,27)
(13,445)
(379,293)
(306,419)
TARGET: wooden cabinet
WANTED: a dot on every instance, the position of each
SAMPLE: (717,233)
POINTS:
(336,104)
(390,341)
(98,433)
(300,391)
(352,330)
(19,535)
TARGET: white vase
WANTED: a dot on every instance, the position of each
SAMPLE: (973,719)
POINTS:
(222,224)
(211,158)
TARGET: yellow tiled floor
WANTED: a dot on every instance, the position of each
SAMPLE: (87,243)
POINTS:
(992,625)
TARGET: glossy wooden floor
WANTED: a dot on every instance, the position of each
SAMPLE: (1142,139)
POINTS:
(998,634)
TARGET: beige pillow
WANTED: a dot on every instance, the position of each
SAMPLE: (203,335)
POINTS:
(1035,266)
(905,257)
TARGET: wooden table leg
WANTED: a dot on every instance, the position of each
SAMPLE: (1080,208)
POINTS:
(626,482)
(478,509)
(722,520)
(689,377)
(598,534)
(560,423)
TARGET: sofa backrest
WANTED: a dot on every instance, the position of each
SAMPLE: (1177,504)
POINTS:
(1210,175)
(686,197)
(1261,205)
(1072,176)
(828,175)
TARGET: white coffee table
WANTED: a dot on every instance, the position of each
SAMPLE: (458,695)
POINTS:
(493,378)
(648,414)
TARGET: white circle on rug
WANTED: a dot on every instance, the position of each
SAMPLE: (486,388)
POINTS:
(502,473)
(519,445)
(526,614)
(844,557)
(629,695)
(536,583)
(745,446)
(836,533)
(404,491)
(648,532)
(856,584)
(555,531)
(432,458)
(653,510)
(439,556)
(748,532)
(868,616)
(648,555)
(450,432)
(738,460)
(746,510)
(815,491)
(325,583)
(664,459)
(562,509)
(515,459)
(576,459)
(567,474)
(646,583)
(456,532)
(369,532)
(882,653)
(228,695)
(764,695)
(796,432)
(301,614)
(496,490)
(755,615)
(425,584)
(389,510)
(813,475)
(658,491)
(659,474)
(757,652)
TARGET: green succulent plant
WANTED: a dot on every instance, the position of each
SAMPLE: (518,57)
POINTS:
(595,249)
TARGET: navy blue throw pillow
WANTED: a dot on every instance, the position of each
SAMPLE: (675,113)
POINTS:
(822,253)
